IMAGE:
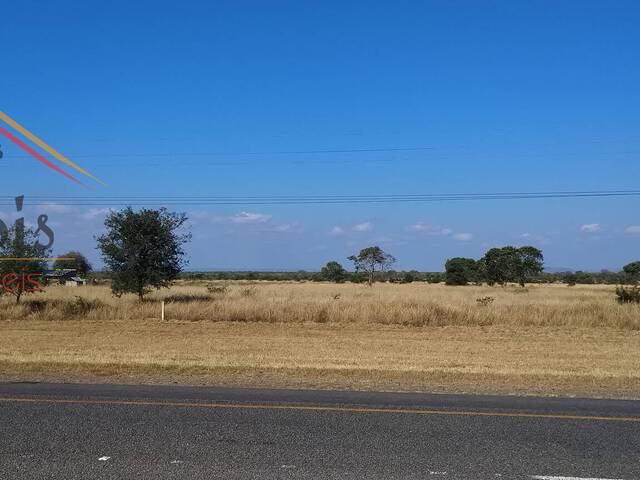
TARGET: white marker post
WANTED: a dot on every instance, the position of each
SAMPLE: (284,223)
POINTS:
(162,315)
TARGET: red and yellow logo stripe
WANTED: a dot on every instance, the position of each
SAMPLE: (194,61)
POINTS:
(47,148)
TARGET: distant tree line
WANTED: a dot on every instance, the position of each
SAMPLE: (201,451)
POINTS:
(497,267)
(324,275)
(392,276)
(143,250)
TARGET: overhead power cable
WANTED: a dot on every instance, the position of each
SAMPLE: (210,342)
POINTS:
(256,152)
(194,200)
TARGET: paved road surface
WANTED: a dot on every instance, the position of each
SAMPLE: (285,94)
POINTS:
(155,432)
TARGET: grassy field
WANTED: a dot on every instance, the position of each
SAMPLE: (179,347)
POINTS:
(545,339)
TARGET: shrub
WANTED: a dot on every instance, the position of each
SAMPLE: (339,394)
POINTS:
(186,298)
(632,271)
(35,306)
(584,278)
(408,277)
(81,306)
(322,316)
(485,301)
(217,289)
(78,307)
(435,277)
(628,294)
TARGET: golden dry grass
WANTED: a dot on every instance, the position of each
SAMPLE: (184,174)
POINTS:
(386,304)
(548,339)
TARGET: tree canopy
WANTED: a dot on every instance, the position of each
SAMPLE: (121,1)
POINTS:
(371,260)
(77,262)
(632,271)
(529,263)
(333,272)
(461,271)
(511,264)
(143,249)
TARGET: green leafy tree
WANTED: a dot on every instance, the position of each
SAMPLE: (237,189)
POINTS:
(410,277)
(435,277)
(570,279)
(461,271)
(333,272)
(584,278)
(143,250)
(498,265)
(632,271)
(356,277)
(529,264)
(77,262)
(510,264)
(21,276)
(371,260)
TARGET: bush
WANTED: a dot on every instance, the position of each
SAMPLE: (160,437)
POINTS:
(81,306)
(485,301)
(217,289)
(357,277)
(408,277)
(78,307)
(36,306)
(186,298)
(584,278)
(435,277)
(322,316)
(628,294)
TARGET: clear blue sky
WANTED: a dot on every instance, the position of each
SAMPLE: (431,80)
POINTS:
(509,95)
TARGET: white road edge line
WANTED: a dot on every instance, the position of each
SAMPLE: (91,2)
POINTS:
(549,477)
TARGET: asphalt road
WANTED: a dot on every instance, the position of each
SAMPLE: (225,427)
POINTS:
(155,432)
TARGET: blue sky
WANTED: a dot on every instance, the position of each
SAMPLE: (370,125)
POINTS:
(159,98)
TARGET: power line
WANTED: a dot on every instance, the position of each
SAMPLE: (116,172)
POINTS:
(195,200)
(258,152)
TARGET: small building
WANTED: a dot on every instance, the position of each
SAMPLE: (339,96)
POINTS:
(67,276)
(74,282)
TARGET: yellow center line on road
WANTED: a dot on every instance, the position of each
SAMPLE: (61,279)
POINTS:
(319,408)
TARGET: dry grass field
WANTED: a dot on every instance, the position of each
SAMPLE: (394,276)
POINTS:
(545,339)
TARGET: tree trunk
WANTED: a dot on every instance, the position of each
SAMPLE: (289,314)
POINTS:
(140,289)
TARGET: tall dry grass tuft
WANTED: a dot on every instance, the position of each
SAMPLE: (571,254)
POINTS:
(412,305)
